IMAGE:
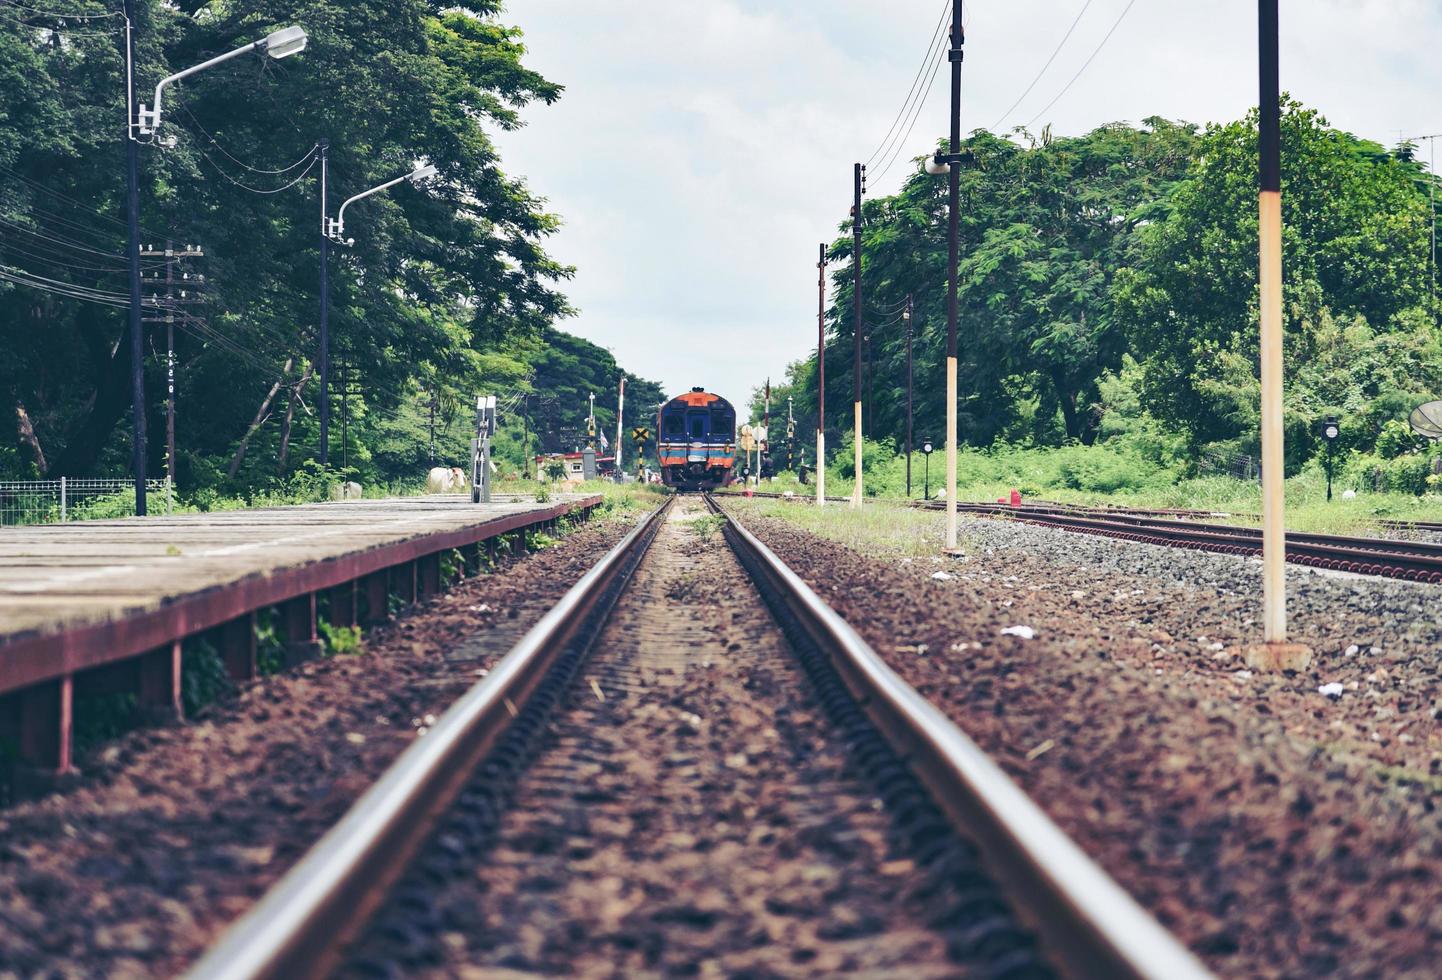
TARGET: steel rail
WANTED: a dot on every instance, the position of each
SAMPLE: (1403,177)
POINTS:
(302,924)
(1095,928)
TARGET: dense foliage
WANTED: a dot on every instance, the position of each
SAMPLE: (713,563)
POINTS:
(1108,291)
(446,292)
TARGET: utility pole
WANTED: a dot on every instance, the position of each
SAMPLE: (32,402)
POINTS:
(170,367)
(821,377)
(620,411)
(132,222)
(165,309)
(432,427)
(344,414)
(1275,653)
(856,490)
(907,317)
(324,359)
(953,253)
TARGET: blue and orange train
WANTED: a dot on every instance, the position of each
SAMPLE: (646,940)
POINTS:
(696,441)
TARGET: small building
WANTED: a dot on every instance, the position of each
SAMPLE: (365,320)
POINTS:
(605,466)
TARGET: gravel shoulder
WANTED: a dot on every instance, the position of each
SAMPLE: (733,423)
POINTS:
(172,832)
(1277,831)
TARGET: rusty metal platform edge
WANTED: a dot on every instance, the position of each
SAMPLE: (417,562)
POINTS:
(35,657)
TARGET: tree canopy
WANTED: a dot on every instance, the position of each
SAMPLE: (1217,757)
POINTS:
(447,290)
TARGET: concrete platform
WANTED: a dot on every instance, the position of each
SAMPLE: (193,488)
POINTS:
(89,596)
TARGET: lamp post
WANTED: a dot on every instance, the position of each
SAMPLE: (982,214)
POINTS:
(140,121)
(1330,432)
(333,230)
(926,455)
(949,163)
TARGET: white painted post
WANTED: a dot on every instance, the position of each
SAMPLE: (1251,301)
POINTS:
(62,498)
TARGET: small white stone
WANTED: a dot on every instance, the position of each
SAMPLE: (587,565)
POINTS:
(1352,650)
(941,576)
(1333,690)
(1025,632)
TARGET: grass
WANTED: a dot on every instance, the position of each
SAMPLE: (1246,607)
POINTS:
(1099,476)
(887,532)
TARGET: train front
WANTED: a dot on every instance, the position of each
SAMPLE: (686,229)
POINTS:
(696,441)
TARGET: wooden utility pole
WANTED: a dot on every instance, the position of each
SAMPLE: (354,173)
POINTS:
(857,327)
(821,376)
(1275,653)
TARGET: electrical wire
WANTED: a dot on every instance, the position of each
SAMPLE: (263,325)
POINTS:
(921,104)
(1055,51)
(885,144)
(84,207)
(77,246)
(236,160)
(257,190)
(37,12)
(21,277)
(1085,64)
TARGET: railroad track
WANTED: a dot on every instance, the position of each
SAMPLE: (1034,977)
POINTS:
(725,747)
(1416,561)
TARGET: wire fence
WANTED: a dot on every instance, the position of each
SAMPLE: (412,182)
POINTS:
(1238,465)
(25,502)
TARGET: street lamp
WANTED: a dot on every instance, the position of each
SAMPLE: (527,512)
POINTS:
(926,454)
(1330,432)
(278,44)
(140,121)
(333,230)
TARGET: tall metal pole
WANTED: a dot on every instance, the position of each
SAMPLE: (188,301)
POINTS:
(958,38)
(821,376)
(324,361)
(132,221)
(908,395)
(620,411)
(857,330)
(1276,653)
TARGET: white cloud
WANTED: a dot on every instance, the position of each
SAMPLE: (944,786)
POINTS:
(701,151)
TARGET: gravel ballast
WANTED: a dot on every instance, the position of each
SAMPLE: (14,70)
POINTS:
(173,832)
(1277,830)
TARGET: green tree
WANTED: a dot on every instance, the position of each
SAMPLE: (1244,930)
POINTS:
(1354,248)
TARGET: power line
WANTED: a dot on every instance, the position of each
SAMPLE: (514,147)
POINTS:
(1125,11)
(37,12)
(1056,51)
(257,190)
(79,204)
(236,160)
(911,92)
(920,105)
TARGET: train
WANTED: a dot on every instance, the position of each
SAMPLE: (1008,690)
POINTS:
(696,441)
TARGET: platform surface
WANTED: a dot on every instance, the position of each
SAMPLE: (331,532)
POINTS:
(60,579)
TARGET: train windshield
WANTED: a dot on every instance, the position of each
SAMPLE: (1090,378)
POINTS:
(674,424)
(723,422)
(697,422)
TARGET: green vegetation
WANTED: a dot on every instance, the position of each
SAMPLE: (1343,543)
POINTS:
(1108,335)
(446,292)
(882,531)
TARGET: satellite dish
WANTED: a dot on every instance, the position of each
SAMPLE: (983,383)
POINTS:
(1426,420)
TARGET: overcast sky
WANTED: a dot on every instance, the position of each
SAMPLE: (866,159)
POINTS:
(703,148)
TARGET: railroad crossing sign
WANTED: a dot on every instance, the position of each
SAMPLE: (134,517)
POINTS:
(747,440)
(640,435)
